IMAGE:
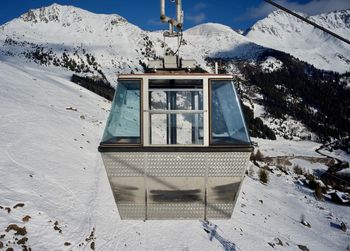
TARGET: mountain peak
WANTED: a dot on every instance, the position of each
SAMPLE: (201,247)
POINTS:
(62,13)
(282,31)
(209,29)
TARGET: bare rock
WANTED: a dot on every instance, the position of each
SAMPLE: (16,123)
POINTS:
(19,205)
(17,229)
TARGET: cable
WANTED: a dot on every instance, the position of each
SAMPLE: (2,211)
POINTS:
(180,42)
(308,21)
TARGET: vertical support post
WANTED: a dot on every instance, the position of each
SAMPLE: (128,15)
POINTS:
(146,184)
(195,118)
(206,100)
(173,118)
(171,29)
(146,116)
(178,11)
(162,8)
(206,186)
(168,120)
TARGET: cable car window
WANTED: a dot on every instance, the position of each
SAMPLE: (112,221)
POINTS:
(123,125)
(227,122)
(176,112)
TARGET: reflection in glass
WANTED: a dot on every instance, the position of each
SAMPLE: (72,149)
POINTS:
(123,124)
(188,129)
(227,123)
(176,116)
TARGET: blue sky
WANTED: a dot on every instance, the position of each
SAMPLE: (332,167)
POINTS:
(145,13)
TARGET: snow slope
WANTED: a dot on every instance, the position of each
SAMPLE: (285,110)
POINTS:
(117,45)
(49,162)
(48,157)
(64,33)
(283,32)
(50,129)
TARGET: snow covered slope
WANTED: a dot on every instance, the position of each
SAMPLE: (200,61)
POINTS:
(50,171)
(284,32)
(211,40)
(49,130)
(57,30)
(52,179)
(68,36)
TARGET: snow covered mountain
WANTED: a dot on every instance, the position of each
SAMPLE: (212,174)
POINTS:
(283,32)
(54,190)
(86,42)
(68,36)
(60,35)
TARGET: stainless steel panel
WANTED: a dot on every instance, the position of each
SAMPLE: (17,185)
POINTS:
(181,185)
(221,193)
(180,164)
(175,197)
(129,164)
(227,164)
(129,193)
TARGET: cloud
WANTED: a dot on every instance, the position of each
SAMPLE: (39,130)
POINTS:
(196,15)
(197,18)
(199,6)
(311,8)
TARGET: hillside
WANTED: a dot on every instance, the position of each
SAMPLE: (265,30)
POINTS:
(286,33)
(53,183)
(54,175)
(88,43)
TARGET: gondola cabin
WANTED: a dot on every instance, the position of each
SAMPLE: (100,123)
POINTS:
(175,146)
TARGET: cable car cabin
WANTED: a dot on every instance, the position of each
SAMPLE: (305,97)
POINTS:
(175,146)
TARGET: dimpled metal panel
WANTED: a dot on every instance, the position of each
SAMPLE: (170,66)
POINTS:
(181,164)
(175,185)
(175,211)
(227,164)
(128,164)
(131,211)
(220,211)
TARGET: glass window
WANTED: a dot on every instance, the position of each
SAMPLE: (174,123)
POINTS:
(227,122)
(176,112)
(123,125)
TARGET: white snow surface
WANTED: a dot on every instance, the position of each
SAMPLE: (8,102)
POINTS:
(284,32)
(117,45)
(339,154)
(271,64)
(49,159)
(309,166)
(283,147)
(49,162)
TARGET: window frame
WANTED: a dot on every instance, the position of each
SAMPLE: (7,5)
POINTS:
(168,112)
(140,81)
(211,143)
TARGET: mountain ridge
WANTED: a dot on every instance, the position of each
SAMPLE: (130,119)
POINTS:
(281,31)
(64,24)
(96,46)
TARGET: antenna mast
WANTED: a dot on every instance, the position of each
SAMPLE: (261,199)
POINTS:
(174,61)
(178,23)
